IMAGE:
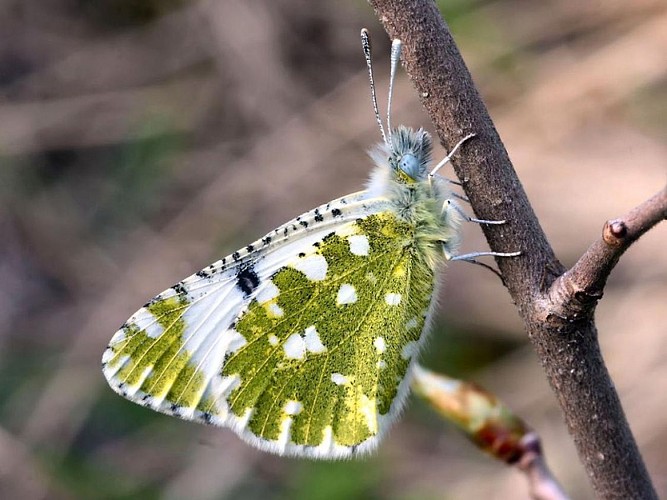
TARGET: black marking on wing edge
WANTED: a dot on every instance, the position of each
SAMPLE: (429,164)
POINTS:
(180,289)
(329,236)
(208,271)
(247,280)
(336,212)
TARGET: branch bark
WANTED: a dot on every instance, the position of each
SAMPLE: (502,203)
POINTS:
(556,306)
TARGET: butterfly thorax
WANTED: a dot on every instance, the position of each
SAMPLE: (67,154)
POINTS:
(422,201)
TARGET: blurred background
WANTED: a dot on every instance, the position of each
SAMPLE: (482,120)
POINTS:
(140,141)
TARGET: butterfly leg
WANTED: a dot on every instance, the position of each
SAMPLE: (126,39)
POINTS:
(449,248)
(472,258)
(446,160)
(449,156)
(456,195)
(451,204)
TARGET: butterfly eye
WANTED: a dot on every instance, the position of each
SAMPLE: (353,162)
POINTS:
(410,165)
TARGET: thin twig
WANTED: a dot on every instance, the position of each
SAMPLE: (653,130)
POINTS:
(491,425)
(576,293)
(542,484)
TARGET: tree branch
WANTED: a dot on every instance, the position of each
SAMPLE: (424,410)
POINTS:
(575,293)
(566,344)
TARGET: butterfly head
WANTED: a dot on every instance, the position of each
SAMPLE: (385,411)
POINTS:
(409,154)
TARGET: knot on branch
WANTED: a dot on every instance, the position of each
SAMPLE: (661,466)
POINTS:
(572,297)
(567,303)
(614,233)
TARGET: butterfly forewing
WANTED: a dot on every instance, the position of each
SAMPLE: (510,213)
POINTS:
(300,342)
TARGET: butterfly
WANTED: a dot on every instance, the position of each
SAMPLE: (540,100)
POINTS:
(303,341)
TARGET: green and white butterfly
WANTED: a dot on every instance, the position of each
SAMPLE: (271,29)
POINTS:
(303,341)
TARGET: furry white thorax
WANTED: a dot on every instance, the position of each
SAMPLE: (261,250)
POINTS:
(401,176)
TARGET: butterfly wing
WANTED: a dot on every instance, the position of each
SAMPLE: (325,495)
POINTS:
(300,343)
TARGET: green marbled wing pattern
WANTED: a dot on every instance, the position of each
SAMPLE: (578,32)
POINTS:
(168,354)
(326,353)
(302,347)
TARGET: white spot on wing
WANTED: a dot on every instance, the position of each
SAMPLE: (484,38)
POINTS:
(233,340)
(132,389)
(273,340)
(338,378)
(359,244)
(327,443)
(346,294)
(295,347)
(223,386)
(144,320)
(276,310)
(267,292)
(380,344)
(314,267)
(313,342)
(293,407)
(411,324)
(381,364)
(285,434)
(368,408)
(393,299)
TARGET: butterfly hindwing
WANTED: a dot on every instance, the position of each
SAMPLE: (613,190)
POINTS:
(300,342)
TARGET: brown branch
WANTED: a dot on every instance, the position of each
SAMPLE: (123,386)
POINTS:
(575,293)
(566,345)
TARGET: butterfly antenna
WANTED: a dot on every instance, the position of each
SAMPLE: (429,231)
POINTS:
(395,60)
(366,46)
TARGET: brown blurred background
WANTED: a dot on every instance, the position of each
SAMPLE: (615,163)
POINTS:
(140,141)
